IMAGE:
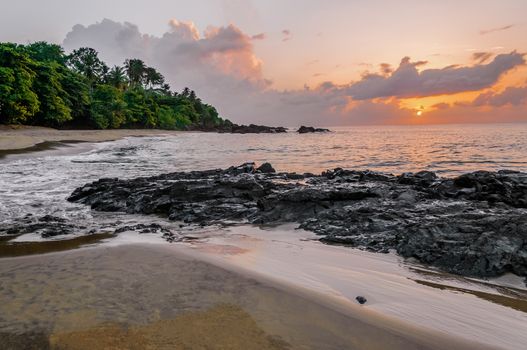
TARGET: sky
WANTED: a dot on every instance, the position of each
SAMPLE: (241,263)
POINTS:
(324,63)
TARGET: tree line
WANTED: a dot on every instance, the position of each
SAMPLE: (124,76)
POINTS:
(41,85)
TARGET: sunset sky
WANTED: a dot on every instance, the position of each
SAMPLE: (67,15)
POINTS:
(290,62)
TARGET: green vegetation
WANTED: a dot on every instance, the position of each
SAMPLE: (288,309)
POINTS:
(41,85)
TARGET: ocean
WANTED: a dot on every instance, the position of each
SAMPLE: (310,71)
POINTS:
(38,183)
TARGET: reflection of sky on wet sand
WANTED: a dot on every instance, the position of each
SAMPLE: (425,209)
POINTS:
(154,295)
(465,307)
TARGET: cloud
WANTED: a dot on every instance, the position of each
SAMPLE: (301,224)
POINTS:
(386,68)
(406,81)
(467,113)
(115,41)
(182,50)
(260,36)
(510,96)
(493,30)
(441,105)
(185,29)
(286,33)
(481,57)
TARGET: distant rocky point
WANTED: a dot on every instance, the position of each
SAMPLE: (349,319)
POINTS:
(308,129)
(474,224)
(241,129)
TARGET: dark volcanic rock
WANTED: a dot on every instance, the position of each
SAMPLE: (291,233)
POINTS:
(46,226)
(266,168)
(475,224)
(308,129)
(150,228)
(240,129)
(256,129)
(361,300)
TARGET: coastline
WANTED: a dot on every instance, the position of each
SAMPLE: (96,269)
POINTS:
(16,140)
(281,315)
(278,262)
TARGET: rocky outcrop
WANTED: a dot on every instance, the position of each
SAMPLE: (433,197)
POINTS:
(46,226)
(256,129)
(309,129)
(240,129)
(475,224)
(49,226)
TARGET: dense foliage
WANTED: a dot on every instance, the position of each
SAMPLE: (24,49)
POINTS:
(41,85)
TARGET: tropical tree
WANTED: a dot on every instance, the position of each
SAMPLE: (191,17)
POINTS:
(42,51)
(41,85)
(54,109)
(18,101)
(86,62)
(108,109)
(117,78)
(153,78)
(77,96)
(135,69)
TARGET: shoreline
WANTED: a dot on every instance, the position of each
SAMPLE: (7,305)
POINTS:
(28,139)
(416,305)
(332,314)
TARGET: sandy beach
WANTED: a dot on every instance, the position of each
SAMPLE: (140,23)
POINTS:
(150,296)
(28,138)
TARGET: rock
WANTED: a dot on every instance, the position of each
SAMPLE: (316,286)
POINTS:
(256,129)
(266,168)
(51,218)
(408,196)
(46,226)
(474,224)
(309,129)
(240,129)
(422,178)
(361,300)
(168,235)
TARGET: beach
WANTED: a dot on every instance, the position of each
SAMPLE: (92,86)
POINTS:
(28,138)
(148,296)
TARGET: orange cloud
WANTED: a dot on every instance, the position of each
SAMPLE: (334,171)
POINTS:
(493,30)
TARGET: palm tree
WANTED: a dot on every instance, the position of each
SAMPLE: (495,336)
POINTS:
(117,77)
(135,69)
(153,77)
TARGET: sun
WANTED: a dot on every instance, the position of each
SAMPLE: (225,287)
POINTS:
(420,110)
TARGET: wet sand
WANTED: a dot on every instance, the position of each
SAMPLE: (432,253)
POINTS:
(154,297)
(491,312)
(22,139)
